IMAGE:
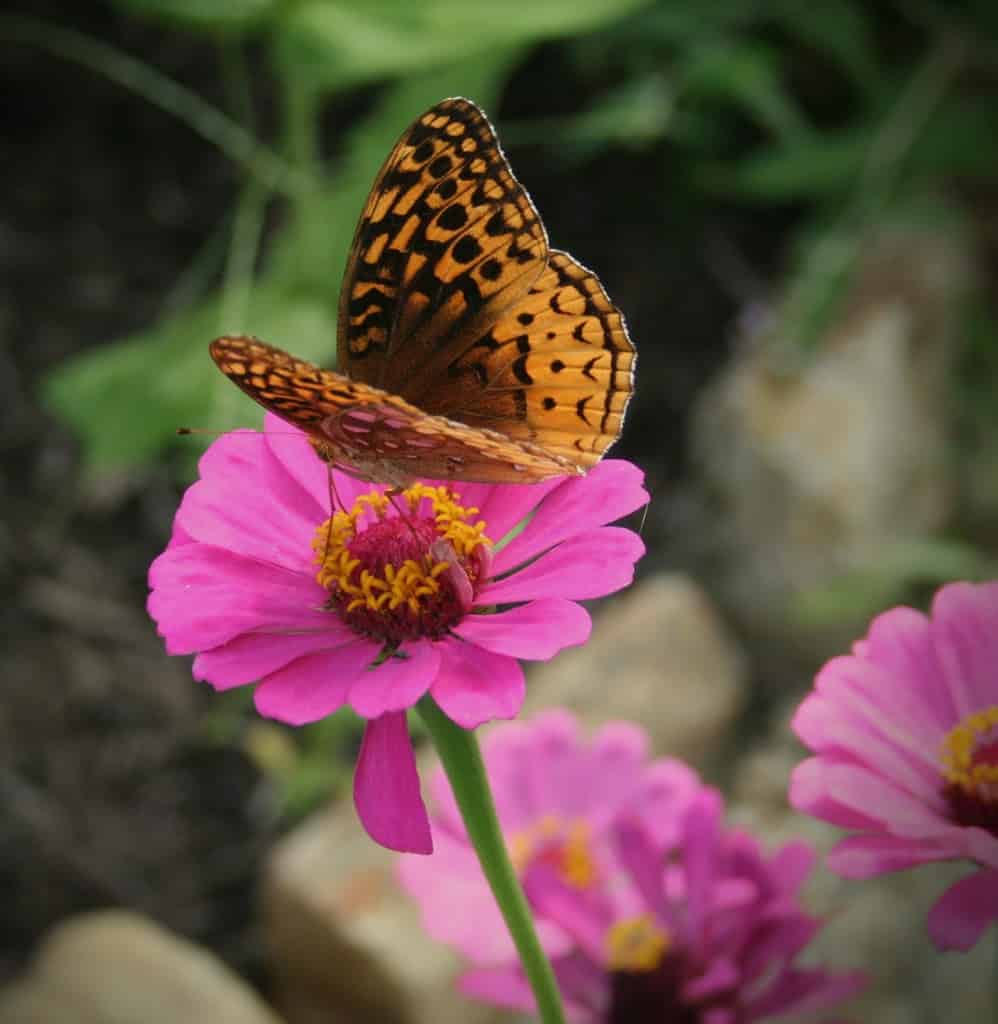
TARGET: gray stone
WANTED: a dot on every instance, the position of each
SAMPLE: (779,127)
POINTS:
(828,462)
(345,943)
(116,967)
(660,656)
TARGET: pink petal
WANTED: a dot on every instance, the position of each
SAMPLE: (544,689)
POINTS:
(252,656)
(613,488)
(234,457)
(397,683)
(193,565)
(791,864)
(779,939)
(204,596)
(618,771)
(250,520)
(500,986)
(327,489)
(871,737)
(386,787)
(866,856)
(312,503)
(851,796)
(313,686)
(641,860)
(590,565)
(530,767)
(900,641)
(963,913)
(667,789)
(453,878)
(804,991)
(475,686)
(721,974)
(702,827)
(810,793)
(290,448)
(965,637)
(585,920)
(537,631)
(502,506)
(875,696)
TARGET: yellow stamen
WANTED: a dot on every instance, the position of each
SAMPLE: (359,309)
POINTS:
(410,584)
(960,745)
(636,944)
(565,846)
(577,864)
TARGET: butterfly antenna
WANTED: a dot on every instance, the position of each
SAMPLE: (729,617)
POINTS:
(334,500)
(404,514)
(255,431)
(644,516)
(193,431)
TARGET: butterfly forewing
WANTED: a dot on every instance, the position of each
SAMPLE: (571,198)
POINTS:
(448,239)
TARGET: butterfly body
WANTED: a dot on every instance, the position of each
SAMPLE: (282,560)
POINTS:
(467,349)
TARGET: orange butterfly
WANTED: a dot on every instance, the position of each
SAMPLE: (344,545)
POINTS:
(468,349)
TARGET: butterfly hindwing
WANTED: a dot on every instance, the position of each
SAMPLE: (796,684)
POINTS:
(373,433)
(557,368)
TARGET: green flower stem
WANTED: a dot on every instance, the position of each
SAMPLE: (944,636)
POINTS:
(462,761)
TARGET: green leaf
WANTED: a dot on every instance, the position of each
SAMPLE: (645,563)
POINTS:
(228,15)
(127,400)
(959,139)
(858,595)
(637,113)
(841,30)
(956,141)
(311,253)
(819,285)
(807,168)
(746,74)
(339,43)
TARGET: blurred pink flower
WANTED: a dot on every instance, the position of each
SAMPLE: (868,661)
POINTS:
(649,909)
(375,607)
(905,730)
(556,795)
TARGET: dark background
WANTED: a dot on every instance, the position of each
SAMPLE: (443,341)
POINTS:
(644,142)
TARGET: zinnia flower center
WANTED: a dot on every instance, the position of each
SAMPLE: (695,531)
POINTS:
(564,846)
(646,976)
(403,566)
(970,767)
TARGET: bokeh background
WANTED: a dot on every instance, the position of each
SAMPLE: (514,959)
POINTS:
(796,207)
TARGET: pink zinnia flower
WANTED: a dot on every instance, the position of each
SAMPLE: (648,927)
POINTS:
(378,604)
(649,909)
(905,730)
(556,796)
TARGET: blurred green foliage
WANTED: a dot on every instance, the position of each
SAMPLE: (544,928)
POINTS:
(305,766)
(902,572)
(842,110)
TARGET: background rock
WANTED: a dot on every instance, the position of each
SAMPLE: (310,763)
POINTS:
(345,943)
(115,967)
(659,655)
(820,464)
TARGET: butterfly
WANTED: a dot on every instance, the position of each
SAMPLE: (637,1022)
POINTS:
(466,348)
